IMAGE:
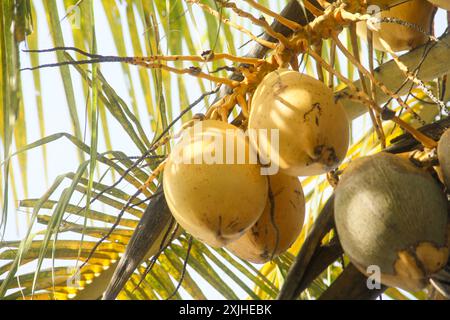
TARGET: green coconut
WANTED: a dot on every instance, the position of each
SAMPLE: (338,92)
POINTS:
(444,157)
(392,215)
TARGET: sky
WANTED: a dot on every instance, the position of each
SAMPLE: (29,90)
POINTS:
(62,156)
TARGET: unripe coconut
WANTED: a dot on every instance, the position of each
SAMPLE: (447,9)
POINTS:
(444,157)
(313,127)
(399,37)
(444,4)
(279,225)
(214,194)
(392,215)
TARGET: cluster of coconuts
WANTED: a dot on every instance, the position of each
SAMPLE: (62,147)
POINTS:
(388,212)
(393,215)
(418,14)
(227,202)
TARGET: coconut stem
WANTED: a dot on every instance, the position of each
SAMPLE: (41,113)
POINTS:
(376,124)
(259,22)
(154,175)
(426,141)
(286,22)
(149,62)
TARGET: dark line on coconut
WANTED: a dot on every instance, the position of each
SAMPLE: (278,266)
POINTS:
(219,231)
(272,219)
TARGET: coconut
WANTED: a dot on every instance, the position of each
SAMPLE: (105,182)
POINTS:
(211,188)
(400,37)
(280,224)
(313,129)
(444,4)
(444,157)
(392,215)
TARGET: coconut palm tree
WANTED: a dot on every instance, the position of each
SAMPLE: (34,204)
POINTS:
(74,89)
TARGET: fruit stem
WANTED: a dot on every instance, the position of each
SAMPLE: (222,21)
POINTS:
(258,22)
(286,22)
(153,175)
(426,141)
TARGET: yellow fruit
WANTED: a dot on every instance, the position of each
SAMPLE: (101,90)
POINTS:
(443,150)
(392,216)
(211,195)
(269,236)
(399,37)
(313,127)
(444,4)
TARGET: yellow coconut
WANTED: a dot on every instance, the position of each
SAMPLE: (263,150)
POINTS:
(308,131)
(279,225)
(397,36)
(444,4)
(392,217)
(444,157)
(212,189)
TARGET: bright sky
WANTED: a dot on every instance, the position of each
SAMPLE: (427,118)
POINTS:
(62,156)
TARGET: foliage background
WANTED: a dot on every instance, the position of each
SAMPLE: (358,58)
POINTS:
(57,108)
